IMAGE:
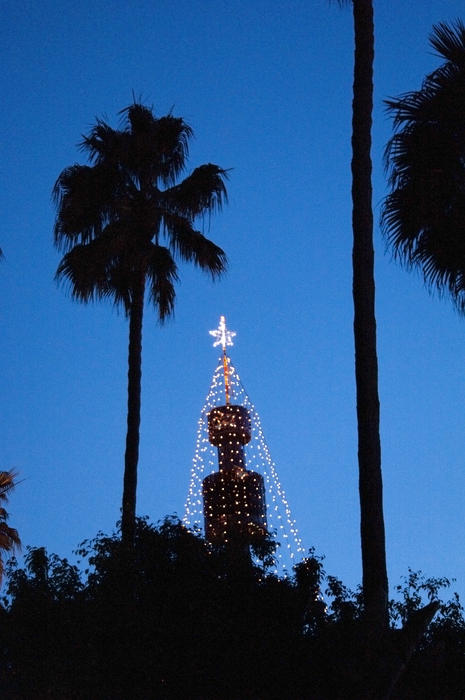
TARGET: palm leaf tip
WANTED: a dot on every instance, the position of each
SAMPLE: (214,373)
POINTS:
(212,259)
(7,483)
(448,41)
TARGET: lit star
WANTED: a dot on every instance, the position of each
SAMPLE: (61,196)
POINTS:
(222,336)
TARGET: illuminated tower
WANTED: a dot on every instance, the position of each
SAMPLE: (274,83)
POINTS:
(234,496)
(232,471)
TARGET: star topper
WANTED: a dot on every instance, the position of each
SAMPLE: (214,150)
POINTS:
(222,336)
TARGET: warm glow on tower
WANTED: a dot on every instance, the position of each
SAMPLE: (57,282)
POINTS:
(234,489)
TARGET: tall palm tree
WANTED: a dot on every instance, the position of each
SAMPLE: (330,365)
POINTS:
(373,546)
(9,538)
(423,217)
(379,668)
(112,216)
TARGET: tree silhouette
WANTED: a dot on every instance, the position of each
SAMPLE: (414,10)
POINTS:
(200,628)
(423,217)
(381,659)
(375,583)
(111,218)
(9,538)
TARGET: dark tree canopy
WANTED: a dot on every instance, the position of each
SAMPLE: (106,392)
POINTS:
(200,627)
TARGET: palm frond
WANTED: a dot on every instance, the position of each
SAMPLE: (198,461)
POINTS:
(423,217)
(125,270)
(172,135)
(7,483)
(9,538)
(86,269)
(202,191)
(104,144)
(162,275)
(448,40)
(9,542)
(192,246)
(86,198)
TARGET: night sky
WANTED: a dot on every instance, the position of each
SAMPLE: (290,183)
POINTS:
(267,88)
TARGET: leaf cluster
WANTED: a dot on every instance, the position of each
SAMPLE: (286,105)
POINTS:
(423,217)
(123,217)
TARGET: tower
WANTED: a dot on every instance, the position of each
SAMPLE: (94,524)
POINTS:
(234,505)
(235,494)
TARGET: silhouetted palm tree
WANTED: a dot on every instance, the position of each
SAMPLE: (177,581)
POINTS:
(9,538)
(423,217)
(111,218)
(375,582)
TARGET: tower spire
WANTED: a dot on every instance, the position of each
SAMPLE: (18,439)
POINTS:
(224,337)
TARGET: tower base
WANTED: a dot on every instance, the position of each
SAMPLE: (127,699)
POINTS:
(234,506)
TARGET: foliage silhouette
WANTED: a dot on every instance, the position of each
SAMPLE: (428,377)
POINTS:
(9,538)
(111,218)
(198,627)
(423,217)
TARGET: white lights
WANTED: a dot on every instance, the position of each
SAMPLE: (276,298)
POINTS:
(222,336)
(257,458)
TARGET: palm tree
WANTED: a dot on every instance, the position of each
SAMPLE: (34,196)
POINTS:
(374,571)
(423,217)
(111,218)
(379,669)
(9,539)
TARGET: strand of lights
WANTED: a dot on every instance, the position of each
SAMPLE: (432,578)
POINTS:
(258,458)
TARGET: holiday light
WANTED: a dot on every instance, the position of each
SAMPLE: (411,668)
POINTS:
(224,337)
(241,451)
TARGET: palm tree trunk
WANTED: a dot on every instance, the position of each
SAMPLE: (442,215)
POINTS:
(375,583)
(131,457)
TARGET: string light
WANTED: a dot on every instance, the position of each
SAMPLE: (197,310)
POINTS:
(248,454)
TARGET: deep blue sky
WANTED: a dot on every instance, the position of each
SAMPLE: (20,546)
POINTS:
(267,88)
